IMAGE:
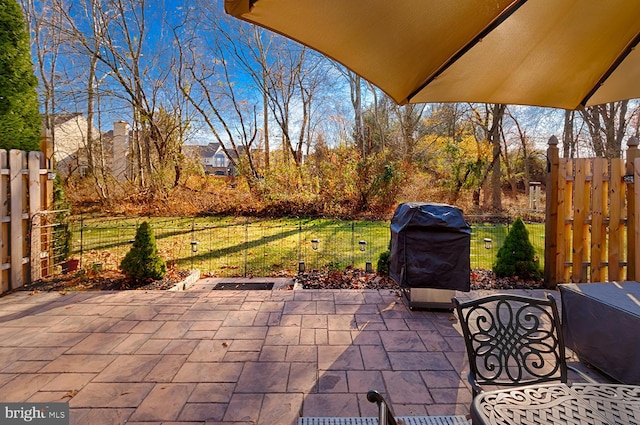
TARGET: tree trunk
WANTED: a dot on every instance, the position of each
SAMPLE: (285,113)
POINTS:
(568,137)
(265,112)
(494,137)
(356,100)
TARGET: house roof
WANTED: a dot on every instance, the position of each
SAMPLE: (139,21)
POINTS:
(59,119)
(203,150)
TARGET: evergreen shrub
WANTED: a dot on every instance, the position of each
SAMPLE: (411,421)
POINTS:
(383,262)
(61,233)
(517,256)
(142,262)
(20,122)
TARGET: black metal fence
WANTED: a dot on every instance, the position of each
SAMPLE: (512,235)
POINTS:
(243,247)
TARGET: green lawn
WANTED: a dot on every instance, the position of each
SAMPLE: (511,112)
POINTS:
(254,247)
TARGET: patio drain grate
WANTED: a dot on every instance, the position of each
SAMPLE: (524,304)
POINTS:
(408,420)
(238,286)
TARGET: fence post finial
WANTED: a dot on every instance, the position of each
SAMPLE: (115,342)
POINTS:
(632,210)
(551,213)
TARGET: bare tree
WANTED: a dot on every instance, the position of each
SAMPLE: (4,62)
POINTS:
(252,48)
(569,141)
(113,36)
(53,38)
(409,119)
(293,83)
(488,121)
(378,122)
(47,40)
(526,149)
(607,126)
(355,85)
(212,92)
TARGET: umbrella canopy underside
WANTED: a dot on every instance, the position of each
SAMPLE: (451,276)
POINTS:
(556,53)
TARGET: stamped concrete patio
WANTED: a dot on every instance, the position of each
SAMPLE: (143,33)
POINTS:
(229,357)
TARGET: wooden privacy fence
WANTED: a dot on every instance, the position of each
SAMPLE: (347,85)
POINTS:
(592,225)
(25,191)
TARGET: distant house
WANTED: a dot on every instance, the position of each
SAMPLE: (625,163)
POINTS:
(212,158)
(70,146)
(117,145)
(70,142)
(70,149)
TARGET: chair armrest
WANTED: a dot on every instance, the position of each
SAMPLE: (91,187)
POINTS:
(475,387)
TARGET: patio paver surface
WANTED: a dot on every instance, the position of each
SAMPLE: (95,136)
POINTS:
(229,357)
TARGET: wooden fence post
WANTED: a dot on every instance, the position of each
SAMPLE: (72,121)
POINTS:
(632,154)
(551,207)
(5,281)
(18,231)
(46,190)
(616,225)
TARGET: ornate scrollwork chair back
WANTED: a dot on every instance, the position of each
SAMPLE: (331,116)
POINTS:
(512,340)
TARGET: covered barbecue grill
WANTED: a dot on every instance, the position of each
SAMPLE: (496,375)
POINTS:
(430,253)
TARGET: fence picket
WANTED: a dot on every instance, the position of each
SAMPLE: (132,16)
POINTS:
(615,243)
(580,227)
(16,184)
(598,239)
(35,206)
(4,220)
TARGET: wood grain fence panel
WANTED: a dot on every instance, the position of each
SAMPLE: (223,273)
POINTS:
(615,242)
(564,187)
(581,191)
(35,206)
(598,210)
(16,165)
(634,252)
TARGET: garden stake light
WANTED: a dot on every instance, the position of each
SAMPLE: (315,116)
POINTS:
(194,249)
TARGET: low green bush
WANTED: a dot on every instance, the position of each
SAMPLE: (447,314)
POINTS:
(383,262)
(142,262)
(517,256)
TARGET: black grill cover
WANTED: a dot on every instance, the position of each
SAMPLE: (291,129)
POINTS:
(430,247)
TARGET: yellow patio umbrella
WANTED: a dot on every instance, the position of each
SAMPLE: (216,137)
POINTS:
(556,53)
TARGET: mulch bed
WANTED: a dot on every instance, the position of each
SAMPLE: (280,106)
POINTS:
(359,279)
(314,279)
(104,281)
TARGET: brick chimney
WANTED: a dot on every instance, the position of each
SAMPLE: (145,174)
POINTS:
(120,150)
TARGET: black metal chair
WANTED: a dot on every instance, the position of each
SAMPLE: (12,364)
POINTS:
(512,340)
